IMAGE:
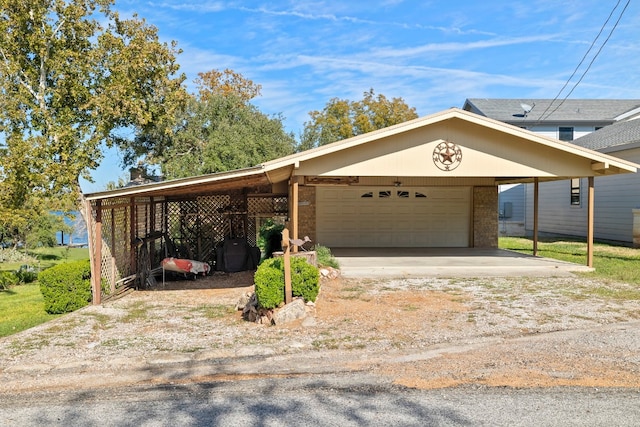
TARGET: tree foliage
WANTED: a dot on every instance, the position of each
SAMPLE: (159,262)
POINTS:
(223,134)
(341,119)
(74,75)
(219,130)
(226,83)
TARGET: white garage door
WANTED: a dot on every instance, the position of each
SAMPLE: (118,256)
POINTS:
(393,217)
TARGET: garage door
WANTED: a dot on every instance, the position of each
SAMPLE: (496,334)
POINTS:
(393,217)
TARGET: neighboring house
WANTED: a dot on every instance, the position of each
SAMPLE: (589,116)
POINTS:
(563,202)
(615,197)
(428,182)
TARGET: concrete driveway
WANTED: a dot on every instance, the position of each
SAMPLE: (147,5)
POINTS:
(447,262)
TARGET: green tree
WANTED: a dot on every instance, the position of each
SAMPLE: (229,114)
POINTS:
(218,130)
(34,224)
(223,133)
(341,119)
(74,75)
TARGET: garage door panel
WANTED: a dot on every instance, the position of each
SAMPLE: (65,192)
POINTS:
(399,219)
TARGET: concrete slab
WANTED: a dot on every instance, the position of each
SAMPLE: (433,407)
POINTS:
(447,262)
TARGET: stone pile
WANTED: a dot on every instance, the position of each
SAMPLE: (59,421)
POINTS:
(296,309)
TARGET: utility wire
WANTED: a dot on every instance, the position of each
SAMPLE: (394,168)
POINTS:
(542,116)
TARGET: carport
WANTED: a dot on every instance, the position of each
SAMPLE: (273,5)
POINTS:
(427,183)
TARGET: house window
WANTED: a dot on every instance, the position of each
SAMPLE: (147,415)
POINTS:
(565,133)
(384,194)
(575,192)
(367,195)
(420,195)
(403,194)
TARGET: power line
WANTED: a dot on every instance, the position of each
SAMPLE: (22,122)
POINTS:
(542,116)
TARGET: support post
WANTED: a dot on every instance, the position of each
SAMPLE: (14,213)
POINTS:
(96,258)
(294,209)
(536,191)
(288,295)
(133,224)
(590,213)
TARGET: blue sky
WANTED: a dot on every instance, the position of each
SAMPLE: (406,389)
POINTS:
(433,54)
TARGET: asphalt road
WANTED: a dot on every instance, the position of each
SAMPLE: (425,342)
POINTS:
(351,399)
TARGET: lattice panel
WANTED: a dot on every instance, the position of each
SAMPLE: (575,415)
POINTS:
(194,227)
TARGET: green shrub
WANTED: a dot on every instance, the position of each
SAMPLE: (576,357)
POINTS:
(66,287)
(305,279)
(8,279)
(325,257)
(269,280)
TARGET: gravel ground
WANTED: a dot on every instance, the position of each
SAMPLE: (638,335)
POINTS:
(419,333)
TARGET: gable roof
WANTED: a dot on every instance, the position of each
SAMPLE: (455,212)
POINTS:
(615,135)
(596,111)
(449,116)
(545,157)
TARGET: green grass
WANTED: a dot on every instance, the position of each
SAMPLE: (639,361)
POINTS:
(48,257)
(611,262)
(22,307)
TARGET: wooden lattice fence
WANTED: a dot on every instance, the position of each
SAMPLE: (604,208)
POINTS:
(136,233)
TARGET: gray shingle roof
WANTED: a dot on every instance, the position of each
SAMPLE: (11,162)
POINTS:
(617,134)
(571,110)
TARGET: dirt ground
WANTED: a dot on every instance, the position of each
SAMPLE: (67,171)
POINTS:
(422,333)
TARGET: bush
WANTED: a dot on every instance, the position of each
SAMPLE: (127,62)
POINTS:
(325,257)
(269,280)
(26,274)
(8,279)
(305,279)
(66,287)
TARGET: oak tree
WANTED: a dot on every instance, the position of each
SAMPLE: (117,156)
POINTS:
(219,130)
(341,119)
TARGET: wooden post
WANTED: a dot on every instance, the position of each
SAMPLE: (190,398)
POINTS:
(287,267)
(535,215)
(96,273)
(590,204)
(294,209)
(133,224)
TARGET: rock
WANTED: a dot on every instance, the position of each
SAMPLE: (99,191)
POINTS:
(329,273)
(294,310)
(244,300)
(250,308)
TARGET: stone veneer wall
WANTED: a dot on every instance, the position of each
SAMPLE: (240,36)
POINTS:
(485,217)
(307,213)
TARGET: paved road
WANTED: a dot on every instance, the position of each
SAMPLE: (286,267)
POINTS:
(351,399)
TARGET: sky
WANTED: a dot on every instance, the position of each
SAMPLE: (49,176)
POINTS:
(432,54)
